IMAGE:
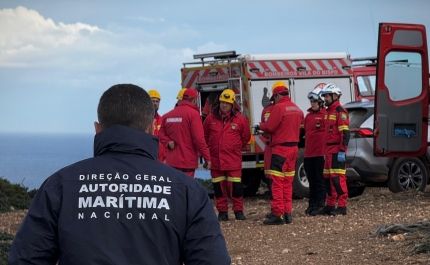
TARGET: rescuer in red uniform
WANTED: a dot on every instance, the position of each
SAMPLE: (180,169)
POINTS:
(156,98)
(284,125)
(181,133)
(336,139)
(314,150)
(265,114)
(227,131)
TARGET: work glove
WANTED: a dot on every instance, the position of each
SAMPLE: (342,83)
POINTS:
(341,156)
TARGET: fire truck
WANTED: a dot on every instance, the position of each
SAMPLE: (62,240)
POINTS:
(251,77)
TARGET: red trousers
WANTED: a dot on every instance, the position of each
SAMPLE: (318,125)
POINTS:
(282,171)
(189,171)
(335,180)
(267,158)
(227,183)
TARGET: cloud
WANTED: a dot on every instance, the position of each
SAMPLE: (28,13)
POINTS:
(25,33)
(32,41)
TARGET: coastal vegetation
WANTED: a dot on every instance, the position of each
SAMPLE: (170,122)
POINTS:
(12,197)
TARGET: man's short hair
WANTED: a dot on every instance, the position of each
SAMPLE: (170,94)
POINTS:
(125,104)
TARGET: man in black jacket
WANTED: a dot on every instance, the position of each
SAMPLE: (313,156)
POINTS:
(121,206)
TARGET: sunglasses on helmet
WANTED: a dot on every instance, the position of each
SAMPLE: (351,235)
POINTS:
(313,96)
(225,95)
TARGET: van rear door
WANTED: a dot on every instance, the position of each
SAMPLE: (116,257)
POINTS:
(402,88)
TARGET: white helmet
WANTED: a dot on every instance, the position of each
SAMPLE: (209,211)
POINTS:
(331,89)
(315,95)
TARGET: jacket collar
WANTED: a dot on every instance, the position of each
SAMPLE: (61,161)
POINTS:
(232,113)
(284,99)
(123,139)
(334,105)
(189,104)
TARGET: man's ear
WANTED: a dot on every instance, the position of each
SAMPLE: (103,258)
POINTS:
(150,129)
(98,127)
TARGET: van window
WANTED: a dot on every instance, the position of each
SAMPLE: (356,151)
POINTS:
(357,117)
(403,75)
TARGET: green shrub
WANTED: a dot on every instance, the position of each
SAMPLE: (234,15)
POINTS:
(5,242)
(206,183)
(14,196)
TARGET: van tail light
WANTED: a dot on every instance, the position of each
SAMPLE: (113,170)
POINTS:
(361,133)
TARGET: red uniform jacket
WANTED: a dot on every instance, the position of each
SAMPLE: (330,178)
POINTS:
(265,114)
(337,128)
(183,125)
(284,123)
(314,133)
(161,148)
(226,137)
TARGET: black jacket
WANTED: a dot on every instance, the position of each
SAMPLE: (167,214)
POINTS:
(120,207)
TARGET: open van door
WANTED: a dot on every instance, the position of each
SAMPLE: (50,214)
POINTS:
(402,88)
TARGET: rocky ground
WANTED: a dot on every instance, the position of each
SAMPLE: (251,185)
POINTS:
(323,239)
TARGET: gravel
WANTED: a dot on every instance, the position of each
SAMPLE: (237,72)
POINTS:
(322,239)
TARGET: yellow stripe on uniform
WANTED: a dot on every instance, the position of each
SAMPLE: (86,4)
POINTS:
(275,173)
(332,117)
(343,128)
(218,179)
(233,179)
(290,174)
(334,171)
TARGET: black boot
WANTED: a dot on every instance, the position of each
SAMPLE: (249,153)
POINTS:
(310,208)
(324,211)
(269,215)
(339,210)
(288,218)
(275,220)
(222,216)
(239,215)
(318,207)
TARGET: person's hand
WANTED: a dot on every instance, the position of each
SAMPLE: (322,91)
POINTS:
(208,165)
(171,145)
(257,127)
(341,156)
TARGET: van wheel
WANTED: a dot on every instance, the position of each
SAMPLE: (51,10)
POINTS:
(251,180)
(300,182)
(407,173)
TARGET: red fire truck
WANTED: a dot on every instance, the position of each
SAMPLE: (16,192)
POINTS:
(251,76)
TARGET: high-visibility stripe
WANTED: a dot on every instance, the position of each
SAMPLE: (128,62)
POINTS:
(275,173)
(218,179)
(233,179)
(343,128)
(334,171)
(290,174)
(332,117)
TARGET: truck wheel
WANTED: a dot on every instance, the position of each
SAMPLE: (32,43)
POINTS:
(300,182)
(407,173)
(355,191)
(251,180)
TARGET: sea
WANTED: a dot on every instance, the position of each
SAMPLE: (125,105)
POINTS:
(28,159)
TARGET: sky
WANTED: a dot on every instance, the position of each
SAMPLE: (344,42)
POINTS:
(58,57)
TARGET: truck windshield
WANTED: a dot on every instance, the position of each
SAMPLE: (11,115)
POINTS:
(366,84)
